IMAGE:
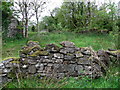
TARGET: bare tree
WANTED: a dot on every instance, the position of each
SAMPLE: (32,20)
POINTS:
(39,6)
(24,8)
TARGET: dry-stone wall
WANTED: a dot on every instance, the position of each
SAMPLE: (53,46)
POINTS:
(54,61)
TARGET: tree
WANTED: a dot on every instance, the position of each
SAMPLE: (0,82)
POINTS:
(6,14)
(24,8)
(39,6)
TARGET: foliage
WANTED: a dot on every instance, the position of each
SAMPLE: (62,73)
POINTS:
(6,14)
(77,16)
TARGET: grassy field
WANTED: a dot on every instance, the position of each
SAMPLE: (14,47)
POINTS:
(97,41)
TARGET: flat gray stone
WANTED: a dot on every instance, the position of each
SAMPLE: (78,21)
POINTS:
(79,69)
(58,60)
(58,55)
(6,70)
(67,44)
(32,69)
(78,54)
(69,57)
(24,66)
(84,60)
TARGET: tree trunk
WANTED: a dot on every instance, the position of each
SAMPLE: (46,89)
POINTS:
(26,21)
(37,21)
(23,25)
(26,28)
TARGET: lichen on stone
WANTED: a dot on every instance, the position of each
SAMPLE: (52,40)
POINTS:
(28,49)
(115,52)
(41,53)
(12,59)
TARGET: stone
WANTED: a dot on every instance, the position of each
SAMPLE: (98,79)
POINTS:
(67,50)
(23,55)
(49,64)
(114,53)
(46,57)
(47,61)
(69,57)
(43,74)
(79,69)
(30,61)
(67,44)
(60,75)
(1,70)
(58,60)
(64,51)
(104,57)
(87,52)
(3,75)
(8,60)
(84,60)
(88,70)
(72,62)
(6,70)
(32,69)
(58,55)
(69,68)
(78,54)
(2,66)
(48,69)
(45,64)
(58,68)
(32,43)
(16,65)
(41,68)
(24,66)
(9,65)
(97,67)
(39,53)
(3,80)
(52,48)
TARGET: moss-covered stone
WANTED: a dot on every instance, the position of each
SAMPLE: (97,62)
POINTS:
(11,75)
(32,43)
(28,49)
(13,58)
(78,54)
(15,62)
(52,48)
(115,52)
(39,53)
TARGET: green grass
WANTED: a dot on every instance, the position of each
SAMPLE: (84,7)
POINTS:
(97,41)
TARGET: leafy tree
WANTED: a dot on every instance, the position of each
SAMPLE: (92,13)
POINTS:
(38,7)
(24,8)
(6,14)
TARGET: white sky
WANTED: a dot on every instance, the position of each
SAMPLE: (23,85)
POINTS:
(57,3)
